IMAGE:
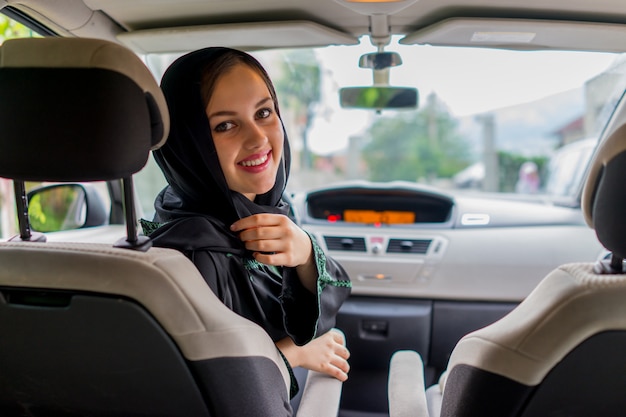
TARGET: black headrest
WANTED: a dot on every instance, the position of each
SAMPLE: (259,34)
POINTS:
(604,194)
(76,110)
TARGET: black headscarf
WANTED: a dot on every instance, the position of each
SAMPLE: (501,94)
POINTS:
(188,159)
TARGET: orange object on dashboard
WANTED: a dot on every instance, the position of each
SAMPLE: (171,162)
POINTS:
(384,217)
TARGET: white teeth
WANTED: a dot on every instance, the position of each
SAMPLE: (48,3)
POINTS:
(254,162)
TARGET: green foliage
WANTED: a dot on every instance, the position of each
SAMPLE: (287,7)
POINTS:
(37,217)
(10,29)
(299,89)
(53,209)
(423,144)
(300,85)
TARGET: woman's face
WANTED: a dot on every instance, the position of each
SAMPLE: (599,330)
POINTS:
(247,132)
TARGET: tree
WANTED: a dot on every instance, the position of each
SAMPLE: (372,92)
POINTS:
(10,29)
(422,144)
(299,89)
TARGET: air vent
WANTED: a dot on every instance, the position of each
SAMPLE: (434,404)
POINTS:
(419,246)
(352,244)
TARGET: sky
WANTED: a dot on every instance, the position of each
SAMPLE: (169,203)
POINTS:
(470,81)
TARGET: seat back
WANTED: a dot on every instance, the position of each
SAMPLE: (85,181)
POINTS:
(560,352)
(93,329)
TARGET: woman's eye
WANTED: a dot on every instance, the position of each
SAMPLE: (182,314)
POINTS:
(224,126)
(264,113)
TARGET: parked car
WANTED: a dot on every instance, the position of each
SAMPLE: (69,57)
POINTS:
(568,166)
(484,87)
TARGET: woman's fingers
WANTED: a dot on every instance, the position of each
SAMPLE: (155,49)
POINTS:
(275,239)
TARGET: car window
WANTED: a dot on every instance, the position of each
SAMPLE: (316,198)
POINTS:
(567,167)
(485,120)
(148,183)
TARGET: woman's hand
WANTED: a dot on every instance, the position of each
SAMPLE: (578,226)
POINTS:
(276,240)
(327,354)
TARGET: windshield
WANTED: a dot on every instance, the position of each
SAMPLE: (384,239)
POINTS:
(487,121)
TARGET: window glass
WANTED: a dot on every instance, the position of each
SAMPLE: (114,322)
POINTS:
(488,120)
(11,29)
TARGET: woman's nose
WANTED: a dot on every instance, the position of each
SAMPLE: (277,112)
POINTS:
(255,136)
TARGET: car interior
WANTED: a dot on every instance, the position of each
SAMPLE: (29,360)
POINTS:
(467,300)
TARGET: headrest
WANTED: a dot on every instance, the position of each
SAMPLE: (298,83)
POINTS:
(604,193)
(76,109)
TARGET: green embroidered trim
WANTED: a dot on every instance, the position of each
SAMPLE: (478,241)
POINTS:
(149,227)
(251,264)
(335,283)
(324,278)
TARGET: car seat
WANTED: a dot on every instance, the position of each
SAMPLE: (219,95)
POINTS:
(113,330)
(561,351)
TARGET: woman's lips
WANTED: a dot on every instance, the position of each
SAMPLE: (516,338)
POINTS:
(256,163)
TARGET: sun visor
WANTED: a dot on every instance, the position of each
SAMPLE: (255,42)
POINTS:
(522,34)
(247,36)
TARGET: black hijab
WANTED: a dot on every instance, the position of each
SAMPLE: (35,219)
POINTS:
(197,186)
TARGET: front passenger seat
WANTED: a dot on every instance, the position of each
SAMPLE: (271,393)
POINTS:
(124,329)
(561,351)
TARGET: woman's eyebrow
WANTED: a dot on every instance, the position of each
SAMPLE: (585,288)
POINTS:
(231,112)
(221,113)
(266,99)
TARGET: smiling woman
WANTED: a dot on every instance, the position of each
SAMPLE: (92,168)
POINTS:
(227,162)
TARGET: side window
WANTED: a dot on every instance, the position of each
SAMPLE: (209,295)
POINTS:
(10,29)
(148,183)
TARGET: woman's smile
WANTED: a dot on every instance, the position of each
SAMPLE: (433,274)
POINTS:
(257,162)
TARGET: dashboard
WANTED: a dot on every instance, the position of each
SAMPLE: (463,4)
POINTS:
(403,239)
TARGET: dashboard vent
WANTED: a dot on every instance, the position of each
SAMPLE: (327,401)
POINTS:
(419,246)
(352,244)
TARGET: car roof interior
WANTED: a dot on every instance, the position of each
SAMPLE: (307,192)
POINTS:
(177,26)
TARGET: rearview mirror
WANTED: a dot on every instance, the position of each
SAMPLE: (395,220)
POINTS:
(380,60)
(378,97)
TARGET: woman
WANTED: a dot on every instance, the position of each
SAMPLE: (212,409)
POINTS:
(226,161)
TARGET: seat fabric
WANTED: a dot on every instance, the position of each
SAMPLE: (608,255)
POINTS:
(120,333)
